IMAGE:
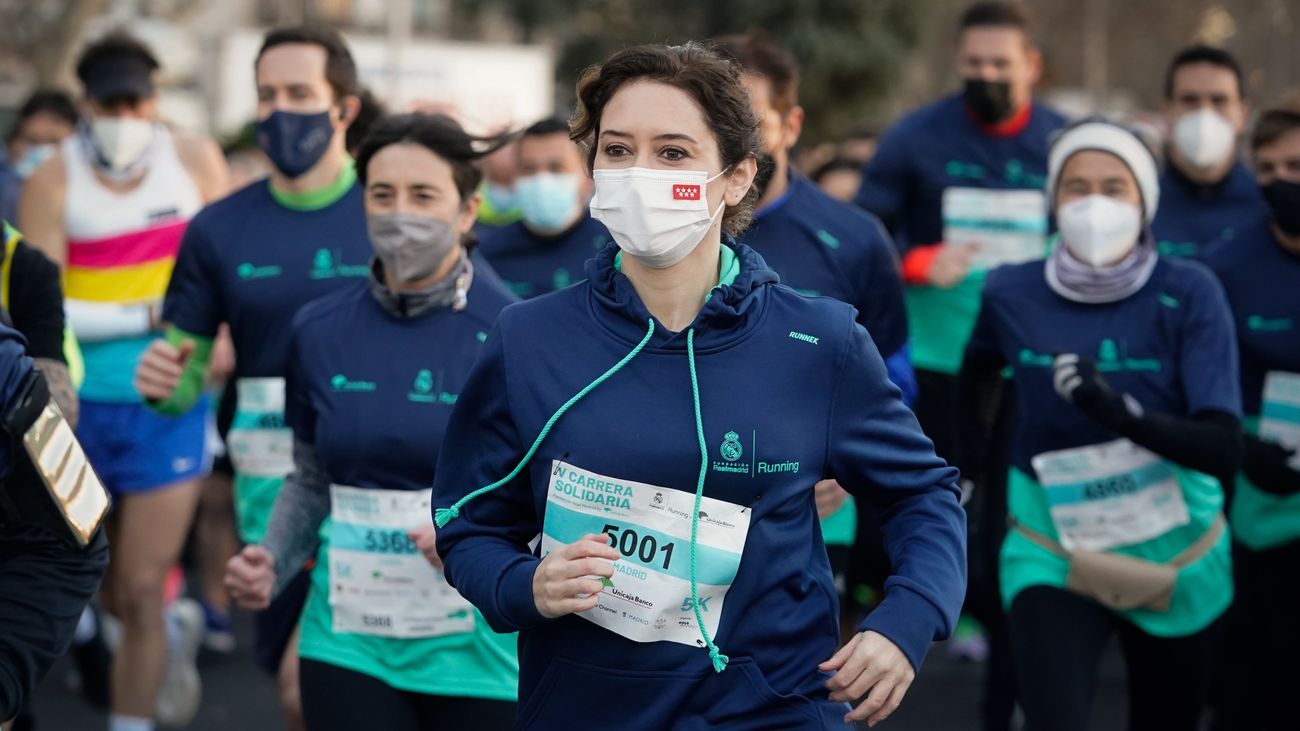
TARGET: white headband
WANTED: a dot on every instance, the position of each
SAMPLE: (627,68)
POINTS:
(1107,137)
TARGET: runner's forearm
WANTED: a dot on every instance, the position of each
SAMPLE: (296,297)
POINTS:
(190,388)
(301,507)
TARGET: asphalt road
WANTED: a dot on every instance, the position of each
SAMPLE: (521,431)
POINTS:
(239,697)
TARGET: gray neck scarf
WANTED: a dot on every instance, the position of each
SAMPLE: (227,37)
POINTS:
(1078,282)
(450,291)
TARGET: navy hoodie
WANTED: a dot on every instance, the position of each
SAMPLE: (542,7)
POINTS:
(821,246)
(1193,219)
(805,386)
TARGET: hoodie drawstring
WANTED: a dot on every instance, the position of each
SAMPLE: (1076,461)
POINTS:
(443,516)
(719,660)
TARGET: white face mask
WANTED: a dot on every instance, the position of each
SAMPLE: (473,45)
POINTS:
(121,141)
(657,216)
(1099,230)
(1204,138)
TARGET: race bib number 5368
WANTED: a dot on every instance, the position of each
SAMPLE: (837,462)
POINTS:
(649,597)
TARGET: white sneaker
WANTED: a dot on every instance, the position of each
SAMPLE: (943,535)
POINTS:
(178,699)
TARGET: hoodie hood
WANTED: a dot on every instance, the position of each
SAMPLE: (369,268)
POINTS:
(734,307)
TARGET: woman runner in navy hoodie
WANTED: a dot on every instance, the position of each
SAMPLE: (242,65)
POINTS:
(662,425)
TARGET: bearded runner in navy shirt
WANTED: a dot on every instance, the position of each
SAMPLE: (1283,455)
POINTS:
(1260,272)
(251,261)
(1207,196)
(549,248)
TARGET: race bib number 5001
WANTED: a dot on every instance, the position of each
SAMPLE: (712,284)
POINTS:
(649,598)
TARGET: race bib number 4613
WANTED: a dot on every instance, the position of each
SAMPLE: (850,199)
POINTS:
(649,597)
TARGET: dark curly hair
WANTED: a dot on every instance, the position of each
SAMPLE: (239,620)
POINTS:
(704,75)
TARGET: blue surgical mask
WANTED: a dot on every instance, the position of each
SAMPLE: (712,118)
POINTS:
(548,201)
(295,142)
(502,199)
(32,159)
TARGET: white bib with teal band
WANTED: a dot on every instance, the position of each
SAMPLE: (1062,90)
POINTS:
(1280,414)
(1109,495)
(380,583)
(649,598)
(261,451)
(1002,226)
(259,442)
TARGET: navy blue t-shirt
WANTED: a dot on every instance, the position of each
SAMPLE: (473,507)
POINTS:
(1195,219)
(1260,279)
(940,146)
(820,246)
(531,264)
(345,400)
(1171,346)
(251,262)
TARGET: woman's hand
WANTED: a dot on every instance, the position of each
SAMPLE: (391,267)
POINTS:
(250,577)
(568,580)
(426,539)
(872,666)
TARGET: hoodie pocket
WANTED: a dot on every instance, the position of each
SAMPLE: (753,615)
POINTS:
(626,699)
(739,698)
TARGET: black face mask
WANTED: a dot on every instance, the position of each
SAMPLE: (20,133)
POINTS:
(990,100)
(1283,198)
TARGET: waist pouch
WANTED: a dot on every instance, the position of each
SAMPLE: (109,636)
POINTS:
(1123,582)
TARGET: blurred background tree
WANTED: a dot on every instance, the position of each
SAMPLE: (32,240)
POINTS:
(852,52)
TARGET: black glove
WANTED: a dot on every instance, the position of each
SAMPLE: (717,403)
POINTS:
(1266,467)
(1078,381)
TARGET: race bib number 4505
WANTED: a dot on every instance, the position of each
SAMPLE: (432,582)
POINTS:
(649,598)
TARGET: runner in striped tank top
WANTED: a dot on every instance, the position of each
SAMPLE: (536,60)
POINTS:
(110,207)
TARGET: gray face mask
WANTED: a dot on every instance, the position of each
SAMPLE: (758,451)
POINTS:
(411,247)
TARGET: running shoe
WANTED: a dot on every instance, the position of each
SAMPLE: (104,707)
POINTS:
(178,699)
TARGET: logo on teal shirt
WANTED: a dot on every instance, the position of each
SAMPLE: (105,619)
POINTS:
(341,383)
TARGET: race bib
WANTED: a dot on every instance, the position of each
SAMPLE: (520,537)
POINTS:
(1280,415)
(1110,495)
(1003,226)
(380,583)
(649,598)
(260,444)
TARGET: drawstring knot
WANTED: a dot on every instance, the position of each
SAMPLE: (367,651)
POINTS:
(443,516)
